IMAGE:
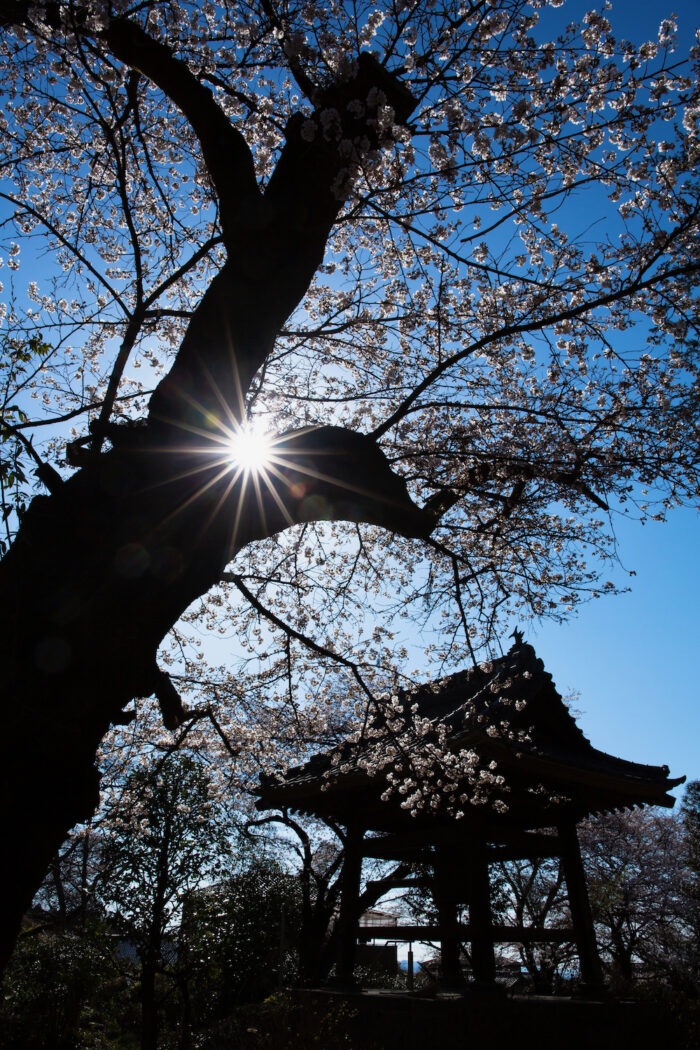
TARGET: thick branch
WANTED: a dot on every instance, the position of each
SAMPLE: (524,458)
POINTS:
(314,174)
(224,149)
(329,473)
(275,243)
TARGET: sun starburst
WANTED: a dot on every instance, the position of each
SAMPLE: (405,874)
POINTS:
(249,448)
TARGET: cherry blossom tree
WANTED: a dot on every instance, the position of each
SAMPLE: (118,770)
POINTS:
(442,253)
(533,893)
(635,865)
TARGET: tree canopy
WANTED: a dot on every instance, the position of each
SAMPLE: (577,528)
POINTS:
(443,253)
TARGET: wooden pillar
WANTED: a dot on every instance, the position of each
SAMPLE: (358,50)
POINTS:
(581,915)
(349,906)
(445,896)
(480,924)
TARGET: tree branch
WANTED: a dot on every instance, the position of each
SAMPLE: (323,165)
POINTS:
(507,331)
(224,149)
(327,473)
(321,650)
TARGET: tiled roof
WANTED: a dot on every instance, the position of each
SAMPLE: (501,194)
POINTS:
(510,700)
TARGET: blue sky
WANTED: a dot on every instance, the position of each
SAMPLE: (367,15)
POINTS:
(634,657)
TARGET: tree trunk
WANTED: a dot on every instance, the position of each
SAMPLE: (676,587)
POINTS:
(185,1040)
(149,1009)
(103,568)
(98,574)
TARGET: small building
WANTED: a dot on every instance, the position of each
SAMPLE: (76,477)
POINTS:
(521,776)
(375,918)
(380,959)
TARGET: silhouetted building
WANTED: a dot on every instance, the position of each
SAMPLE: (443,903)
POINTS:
(524,753)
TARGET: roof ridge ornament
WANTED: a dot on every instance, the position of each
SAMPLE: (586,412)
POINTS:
(518,636)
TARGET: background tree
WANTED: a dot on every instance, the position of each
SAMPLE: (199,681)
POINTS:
(359,226)
(164,836)
(635,865)
(690,818)
(533,893)
(316,855)
(240,937)
(66,989)
(68,894)
(19,360)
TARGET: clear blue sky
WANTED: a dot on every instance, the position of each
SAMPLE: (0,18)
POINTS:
(634,657)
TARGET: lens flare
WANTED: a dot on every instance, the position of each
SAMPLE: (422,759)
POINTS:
(250,449)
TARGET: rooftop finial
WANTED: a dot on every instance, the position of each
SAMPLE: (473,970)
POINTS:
(518,636)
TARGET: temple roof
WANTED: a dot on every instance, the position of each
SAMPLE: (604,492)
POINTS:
(507,711)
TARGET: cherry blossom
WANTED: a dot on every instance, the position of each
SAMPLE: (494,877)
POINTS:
(456,244)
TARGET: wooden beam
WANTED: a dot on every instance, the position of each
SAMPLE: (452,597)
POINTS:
(502,934)
(527,845)
(504,844)
(349,906)
(400,883)
(395,847)
(445,879)
(582,917)
(480,924)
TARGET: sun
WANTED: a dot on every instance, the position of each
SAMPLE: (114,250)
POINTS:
(249,449)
